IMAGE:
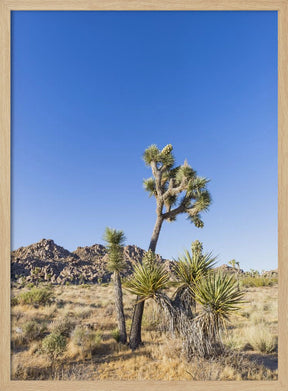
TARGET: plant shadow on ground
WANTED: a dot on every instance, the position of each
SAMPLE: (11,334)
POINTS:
(126,355)
(268,361)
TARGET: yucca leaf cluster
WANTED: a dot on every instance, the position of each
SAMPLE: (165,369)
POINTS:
(149,277)
(192,266)
(115,240)
(162,158)
(220,295)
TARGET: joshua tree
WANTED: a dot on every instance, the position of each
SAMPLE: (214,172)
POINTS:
(177,190)
(189,269)
(115,241)
(238,272)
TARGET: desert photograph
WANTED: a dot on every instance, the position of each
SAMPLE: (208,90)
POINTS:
(144,195)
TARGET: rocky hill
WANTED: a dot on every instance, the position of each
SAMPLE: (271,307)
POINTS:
(46,261)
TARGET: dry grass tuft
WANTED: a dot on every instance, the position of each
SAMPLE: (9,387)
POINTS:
(261,339)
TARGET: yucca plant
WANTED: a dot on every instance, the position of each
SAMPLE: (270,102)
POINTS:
(188,270)
(116,264)
(149,278)
(219,296)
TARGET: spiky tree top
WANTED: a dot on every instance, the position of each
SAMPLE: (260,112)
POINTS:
(178,189)
(219,294)
(149,278)
(115,241)
(191,267)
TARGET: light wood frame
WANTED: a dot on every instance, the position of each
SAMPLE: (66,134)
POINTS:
(6,6)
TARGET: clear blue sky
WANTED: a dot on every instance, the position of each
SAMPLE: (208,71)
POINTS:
(92,90)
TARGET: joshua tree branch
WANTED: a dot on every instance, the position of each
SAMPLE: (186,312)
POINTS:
(174,212)
(170,187)
(157,175)
(173,191)
(181,209)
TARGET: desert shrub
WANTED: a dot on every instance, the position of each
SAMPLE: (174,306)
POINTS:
(261,339)
(257,281)
(258,318)
(233,341)
(14,301)
(116,335)
(40,296)
(54,345)
(27,371)
(83,313)
(86,340)
(86,286)
(245,314)
(18,340)
(109,310)
(168,349)
(266,307)
(63,326)
(33,330)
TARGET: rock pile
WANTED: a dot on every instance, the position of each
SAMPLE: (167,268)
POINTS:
(226,269)
(46,261)
(270,273)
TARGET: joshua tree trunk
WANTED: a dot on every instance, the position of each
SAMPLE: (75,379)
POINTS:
(119,308)
(135,332)
(155,235)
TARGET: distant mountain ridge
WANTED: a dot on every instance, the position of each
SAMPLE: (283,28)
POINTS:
(47,261)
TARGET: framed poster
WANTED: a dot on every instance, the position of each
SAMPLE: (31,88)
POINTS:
(89,92)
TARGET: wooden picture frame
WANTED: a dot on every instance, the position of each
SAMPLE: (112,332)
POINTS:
(234,5)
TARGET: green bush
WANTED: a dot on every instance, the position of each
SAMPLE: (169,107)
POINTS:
(54,345)
(40,296)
